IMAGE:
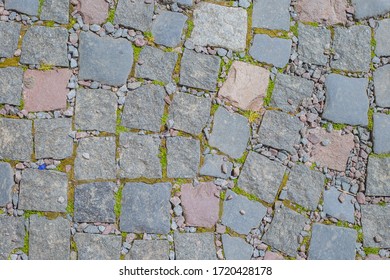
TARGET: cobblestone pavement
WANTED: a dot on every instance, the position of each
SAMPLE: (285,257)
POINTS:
(181,129)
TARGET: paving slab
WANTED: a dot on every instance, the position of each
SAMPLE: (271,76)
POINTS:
(381,133)
(338,207)
(11,84)
(9,37)
(55,10)
(93,11)
(213,166)
(149,250)
(134,14)
(375,223)
(12,235)
(195,246)
(382,38)
(6,183)
(97,246)
(28,7)
(378,177)
(382,86)
(271,14)
(236,248)
(370,8)
(167,28)
(329,11)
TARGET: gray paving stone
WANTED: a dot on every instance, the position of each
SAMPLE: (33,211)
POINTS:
(275,51)
(195,246)
(189,113)
(16,141)
(381,133)
(94,202)
(332,243)
(28,7)
(139,156)
(11,85)
(95,159)
(370,8)
(49,239)
(6,183)
(233,208)
(290,91)
(149,250)
(144,108)
(168,27)
(56,10)
(45,45)
(346,100)
(9,37)
(230,133)
(183,157)
(11,235)
(375,223)
(353,46)
(212,166)
(43,190)
(104,59)
(236,248)
(344,211)
(261,176)
(382,86)
(157,64)
(96,110)
(313,41)
(97,246)
(134,14)
(137,218)
(382,38)
(271,14)
(199,70)
(284,231)
(185,3)
(51,138)
(378,177)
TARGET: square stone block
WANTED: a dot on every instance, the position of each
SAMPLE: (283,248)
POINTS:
(214,166)
(134,14)
(6,183)
(375,223)
(12,235)
(9,37)
(55,10)
(381,133)
(370,8)
(168,27)
(330,11)
(271,14)
(378,177)
(382,38)
(236,248)
(195,246)
(28,7)
(149,250)
(333,206)
(98,247)
(11,84)
(382,86)
(16,141)
(93,11)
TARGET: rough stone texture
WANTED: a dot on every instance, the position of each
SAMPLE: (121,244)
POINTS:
(134,14)
(183,157)
(167,28)
(381,133)
(137,218)
(378,177)
(56,10)
(271,14)
(45,45)
(375,223)
(149,250)
(11,79)
(144,108)
(9,36)
(6,183)
(199,70)
(220,26)
(304,186)
(284,230)
(330,11)
(273,256)
(382,38)
(195,246)
(246,86)
(213,166)
(97,246)
(230,133)
(353,45)
(340,210)
(200,204)
(346,100)
(232,213)
(139,156)
(93,11)
(11,235)
(49,239)
(94,202)
(290,91)
(28,7)
(16,141)
(236,248)
(45,90)
(382,86)
(275,51)
(104,59)
(332,243)
(370,8)
(261,177)
(100,162)
(52,138)
(189,113)
(313,41)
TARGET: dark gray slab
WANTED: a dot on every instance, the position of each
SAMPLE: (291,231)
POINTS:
(11,85)
(11,235)
(382,86)
(271,14)
(28,7)
(375,223)
(340,210)
(98,246)
(168,27)
(56,10)
(9,37)
(195,246)
(381,133)
(149,250)
(134,14)
(378,177)
(370,8)
(6,183)
(382,38)
(212,166)
(236,248)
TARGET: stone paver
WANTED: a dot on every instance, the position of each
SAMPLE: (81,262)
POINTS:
(382,38)
(339,205)
(134,14)
(9,36)
(6,183)
(330,11)
(378,177)
(382,86)
(213,166)
(11,79)
(149,250)
(195,246)
(16,141)
(168,27)
(370,8)
(28,7)
(271,14)
(93,11)
(56,10)
(236,248)
(381,133)
(12,235)
(98,247)
(375,223)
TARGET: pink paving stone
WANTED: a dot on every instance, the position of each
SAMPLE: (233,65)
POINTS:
(45,90)
(272,256)
(200,205)
(93,11)
(246,86)
(330,11)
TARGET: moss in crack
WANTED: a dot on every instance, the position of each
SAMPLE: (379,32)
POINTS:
(41,2)
(242,159)
(380,155)
(267,98)
(294,29)
(163,158)
(158,83)
(45,67)
(272,33)
(370,125)
(149,36)
(10,62)
(137,51)
(111,15)
(190,27)
(26,246)
(70,206)
(371,251)
(118,202)
(240,191)
(252,116)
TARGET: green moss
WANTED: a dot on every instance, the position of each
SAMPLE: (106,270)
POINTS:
(45,67)
(182,181)
(50,23)
(370,125)
(339,126)
(252,116)
(137,51)
(371,251)
(373,43)
(72,21)
(149,36)
(111,15)
(239,191)
(294,29)
(10,62)
(26,247)
(73,246)
(242,159)
(2,211)
(158,83)
(222,196)
(190,27)
(380,155)
(28,213)
(314,24)
(41,2)
(118,202)
(164,118)
(163,157)
(313,166)
(272,33)
(382,203)
(214,108)
(267,98)
(70,206)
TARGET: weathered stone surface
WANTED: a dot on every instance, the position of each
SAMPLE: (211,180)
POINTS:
(97,246)
(200,204)
(49,239)
(261,177)
(149,250)
(9,36)
(236,248)
(52,138)
(220,26)
(199,70)
(332,243)
(381,133)
(329,11)
(100,162)
(353,46)
(246,86)
(134,14)
(346,100)
(233,209)
(213,166)
(16,139)
(273,256)
(137,218)
(230,133)
(11,79)
(56,10)
(382,38)
(167,28)
(340,210)
(370,8)
(284,230)
(375,223)
(6,183)
(93,11)
(378,177)
(45,45)
(11,235)
(195,246)
(28,7)
(382,86)
(271,14)
(138,156)
(144,108)
(183,157)
(189,113)
(104,59)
